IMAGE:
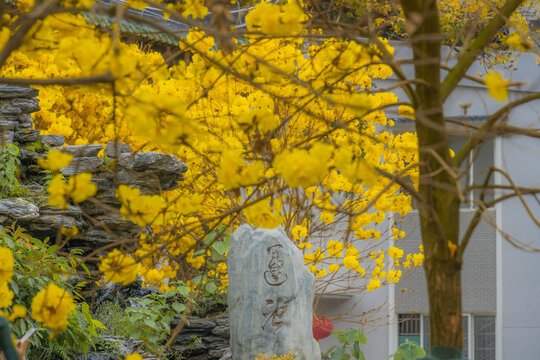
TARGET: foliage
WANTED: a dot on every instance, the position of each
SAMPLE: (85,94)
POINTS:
(152,315)
(36,266)
(9,183)
(113,316)
(349,347)
(408,351)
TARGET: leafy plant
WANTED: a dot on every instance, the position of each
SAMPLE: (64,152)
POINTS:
(37,265)
(408,351)
(9,184)
(152,315)
(350,341)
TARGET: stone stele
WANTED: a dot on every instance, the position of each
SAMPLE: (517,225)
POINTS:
(270,296)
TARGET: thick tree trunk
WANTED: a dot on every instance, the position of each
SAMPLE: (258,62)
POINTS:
(439,210)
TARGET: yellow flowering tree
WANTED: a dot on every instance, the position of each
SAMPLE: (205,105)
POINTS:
(279,126)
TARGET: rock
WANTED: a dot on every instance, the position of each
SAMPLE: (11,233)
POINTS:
(115,222)
(18,209)
(226,356)
(150,182)
(270,296)
(10,110)
(222,331)
(52,140)
(83,164)
(144,161)
(97,236)
(26,106)
(27,156)
(114,149)
(72,211)
(82,150)
(12,91)
(26,135)
(6,136)
(51,223)
(25,121)
(8,124)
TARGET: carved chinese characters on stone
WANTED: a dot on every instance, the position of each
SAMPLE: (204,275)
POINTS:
(274,276)
(270,296)
(273,313)
(275,308)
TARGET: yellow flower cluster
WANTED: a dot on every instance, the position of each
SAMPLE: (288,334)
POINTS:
(78,187)
(118,267)
(289,356)
(51,306)
(283,123)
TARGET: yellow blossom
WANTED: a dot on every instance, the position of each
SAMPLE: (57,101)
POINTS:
(51,306)
(6,295)
(497,86)
(80,187)
(134,356)
(333,268)
(17,311)
(262,214)
(373,284)
(6,265)
(69,231)
(118,267)
(55,160)
(395,253)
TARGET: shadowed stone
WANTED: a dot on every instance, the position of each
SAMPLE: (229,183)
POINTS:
(114,149)
(26,135)
(12,92)
(82,150)
(26,106)
(18,209)
(83,164)
(270,296)
(52,140)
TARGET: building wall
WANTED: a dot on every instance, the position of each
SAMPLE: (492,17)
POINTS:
(518,330)
(478,275)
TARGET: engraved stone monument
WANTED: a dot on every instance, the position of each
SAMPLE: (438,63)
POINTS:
(270,296)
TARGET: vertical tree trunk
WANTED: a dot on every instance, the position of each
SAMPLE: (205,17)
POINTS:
(439,212)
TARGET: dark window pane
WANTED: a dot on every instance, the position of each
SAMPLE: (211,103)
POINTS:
(409,328)
(484,337)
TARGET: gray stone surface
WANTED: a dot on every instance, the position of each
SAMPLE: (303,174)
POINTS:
(26,106)
(152,161)
(52,140)
(26,135)
(114,149)
(18,209)
(82,150)
(12,92)
(270,296)
(83,164)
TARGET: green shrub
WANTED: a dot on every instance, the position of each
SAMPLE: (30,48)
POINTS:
(37,265)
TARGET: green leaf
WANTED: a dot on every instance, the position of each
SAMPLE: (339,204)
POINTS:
(178,307)
(183,290)
(210,288)
(198,253)
(210,237)
(221,247)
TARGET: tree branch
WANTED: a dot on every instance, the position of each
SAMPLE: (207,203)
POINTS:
(477,46)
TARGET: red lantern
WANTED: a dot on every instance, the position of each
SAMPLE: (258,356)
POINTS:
(322,327)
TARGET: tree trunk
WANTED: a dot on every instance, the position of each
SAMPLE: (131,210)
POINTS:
(439,208)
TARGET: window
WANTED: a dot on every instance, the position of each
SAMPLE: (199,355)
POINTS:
(409,328)
(479,346)
(475,169)
(484,337)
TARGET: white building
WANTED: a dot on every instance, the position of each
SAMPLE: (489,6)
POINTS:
(500,281)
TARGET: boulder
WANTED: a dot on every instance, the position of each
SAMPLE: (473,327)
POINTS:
(18,209)
(270,296)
